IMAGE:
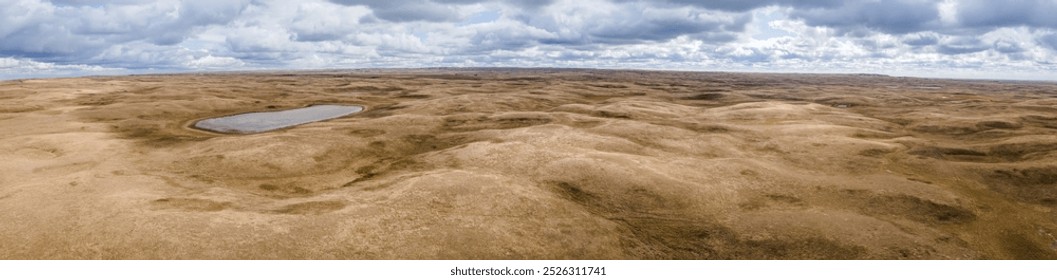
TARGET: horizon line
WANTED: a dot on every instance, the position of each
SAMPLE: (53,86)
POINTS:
(559,68)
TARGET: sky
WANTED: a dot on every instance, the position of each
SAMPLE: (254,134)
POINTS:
(1014,39)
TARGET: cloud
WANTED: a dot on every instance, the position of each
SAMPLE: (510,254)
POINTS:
(324,21)
(1008,47)
(213,62)
(745,5)
(404,11)
(921,39)
(502,34)
(20,68)
(1049,40)
(600,22)
(662,25)
(898,16)
(962,46)
(528,4)
(991,14)
(912,36)
(51,31)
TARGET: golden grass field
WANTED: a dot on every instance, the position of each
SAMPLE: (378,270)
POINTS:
(530,164)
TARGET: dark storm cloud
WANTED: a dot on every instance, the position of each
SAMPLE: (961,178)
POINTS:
(991,14)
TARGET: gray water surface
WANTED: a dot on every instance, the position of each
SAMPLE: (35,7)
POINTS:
(266,121)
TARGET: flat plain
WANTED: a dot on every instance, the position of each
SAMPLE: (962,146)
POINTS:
(530,164)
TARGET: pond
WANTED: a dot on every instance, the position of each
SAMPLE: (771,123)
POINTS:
(267,121)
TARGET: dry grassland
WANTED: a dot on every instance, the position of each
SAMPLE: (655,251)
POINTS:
(530,164)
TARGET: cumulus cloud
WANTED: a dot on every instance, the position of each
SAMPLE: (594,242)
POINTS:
(745,5)
(403,11)
(1049,40)
(962,46)
(75,31)
(897,36)
(18,68)
(599,22)
(898,16)
(991,14)
(325,21)
(213,62)
(433,10)
(922,39)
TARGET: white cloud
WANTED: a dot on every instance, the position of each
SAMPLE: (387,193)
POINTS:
(18,68)
(213,62)
(955,36)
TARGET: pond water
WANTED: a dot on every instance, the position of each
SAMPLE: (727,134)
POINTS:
(267,121)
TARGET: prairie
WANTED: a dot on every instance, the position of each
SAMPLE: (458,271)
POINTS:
(530,164)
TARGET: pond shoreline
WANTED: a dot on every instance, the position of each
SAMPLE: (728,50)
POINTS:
(259,122)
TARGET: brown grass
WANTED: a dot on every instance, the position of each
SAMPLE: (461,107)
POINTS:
(530,164)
